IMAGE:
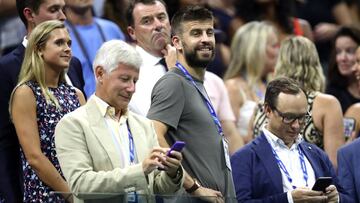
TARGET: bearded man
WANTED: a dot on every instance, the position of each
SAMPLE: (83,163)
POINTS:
(181,108)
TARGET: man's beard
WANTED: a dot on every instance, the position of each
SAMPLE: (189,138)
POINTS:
(194,60)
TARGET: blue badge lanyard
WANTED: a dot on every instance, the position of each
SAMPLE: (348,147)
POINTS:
(131,142)
(283,168)
(206,100)
(132,196)
(131,145)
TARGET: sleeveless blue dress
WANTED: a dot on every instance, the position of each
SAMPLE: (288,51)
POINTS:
(48,116)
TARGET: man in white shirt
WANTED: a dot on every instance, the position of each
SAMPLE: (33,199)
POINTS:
(149,27)
(278,166)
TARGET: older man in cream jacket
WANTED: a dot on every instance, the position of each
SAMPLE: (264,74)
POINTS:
(103,148)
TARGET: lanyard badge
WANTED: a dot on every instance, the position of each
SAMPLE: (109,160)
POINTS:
(212,113)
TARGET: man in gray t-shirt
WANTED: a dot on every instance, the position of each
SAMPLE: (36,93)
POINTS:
(179,111)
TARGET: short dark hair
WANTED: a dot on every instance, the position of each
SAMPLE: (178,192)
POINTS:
(334,76)
(280,85)
(130,10)
(189,13)
(32,4)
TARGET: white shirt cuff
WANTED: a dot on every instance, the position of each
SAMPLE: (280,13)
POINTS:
(290,199)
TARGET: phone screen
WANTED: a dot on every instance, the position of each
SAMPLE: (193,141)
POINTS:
(349,126)
(322,183)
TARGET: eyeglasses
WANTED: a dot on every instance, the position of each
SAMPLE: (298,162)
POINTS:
(289,119)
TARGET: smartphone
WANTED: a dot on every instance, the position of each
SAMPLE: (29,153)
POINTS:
(177,146)
(349,126)
(322,183)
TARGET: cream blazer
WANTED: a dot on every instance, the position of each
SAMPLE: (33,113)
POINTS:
(90,162)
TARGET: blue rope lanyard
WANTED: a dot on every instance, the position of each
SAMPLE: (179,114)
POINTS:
(131,142)
(206,100)
(132,196)
(283,168)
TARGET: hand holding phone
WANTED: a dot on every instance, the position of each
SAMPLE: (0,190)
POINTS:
(322,183)
(177,146)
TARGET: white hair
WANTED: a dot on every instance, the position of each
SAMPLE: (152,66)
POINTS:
(115,52)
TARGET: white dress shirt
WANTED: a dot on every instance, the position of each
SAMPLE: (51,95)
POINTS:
(118,130)
(150,72)
(290,158)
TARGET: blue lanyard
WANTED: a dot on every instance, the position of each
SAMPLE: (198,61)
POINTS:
(206,100)
(131,142)
(132,196)
(131,145)
(283,168)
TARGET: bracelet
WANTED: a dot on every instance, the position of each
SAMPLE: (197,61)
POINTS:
(194,187)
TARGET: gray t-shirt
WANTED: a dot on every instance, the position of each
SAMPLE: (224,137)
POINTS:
(177,103)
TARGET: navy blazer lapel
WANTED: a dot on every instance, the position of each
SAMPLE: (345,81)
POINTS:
(263,150)
(312,158)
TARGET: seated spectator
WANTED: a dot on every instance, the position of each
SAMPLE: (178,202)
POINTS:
(254,52)
(41,98)
(105,148)
(342,82)
(278,166)
(299,60)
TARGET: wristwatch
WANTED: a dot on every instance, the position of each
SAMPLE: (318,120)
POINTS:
(194,187)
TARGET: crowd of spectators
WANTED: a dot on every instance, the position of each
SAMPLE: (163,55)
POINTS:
(195,71)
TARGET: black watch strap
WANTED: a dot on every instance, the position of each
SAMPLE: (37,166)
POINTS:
(194,187)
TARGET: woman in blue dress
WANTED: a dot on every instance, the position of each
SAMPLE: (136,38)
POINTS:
(41,98)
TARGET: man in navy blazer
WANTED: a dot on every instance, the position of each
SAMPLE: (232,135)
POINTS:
(348,169)
(31,13)
(278,166)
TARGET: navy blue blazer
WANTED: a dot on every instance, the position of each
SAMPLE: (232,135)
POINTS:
(10,168)
(257,177)
(349,169)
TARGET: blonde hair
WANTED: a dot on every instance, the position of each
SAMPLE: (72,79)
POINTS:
(33,65)
(299,60)
(248,51)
